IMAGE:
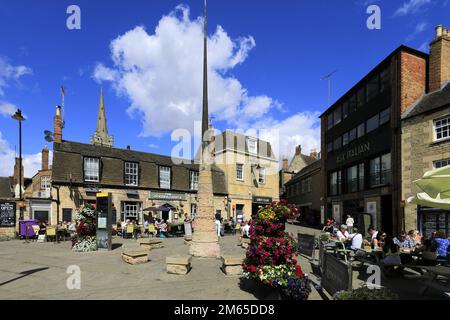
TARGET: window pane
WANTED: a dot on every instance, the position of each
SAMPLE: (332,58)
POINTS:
(91,169)
(442,128)
(384,80)
(352,104)
(386,169)
(372,88)
(352,179)
(361,176)
(360,98)
(262,175)
(345,139)
(375,172)
(194,180)
(252,146)
(337,143)
(361,130)
(164,177)
(345,111)
(330,121)
(131,173)
(352,135)
(239,171)
(337,115)
(330,147)
(385,116)
(372,123)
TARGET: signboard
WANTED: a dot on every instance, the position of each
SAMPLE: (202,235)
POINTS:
(7,214)
(353,152)
(104,223)
(306,244)
(322,214)
(337,275)
(168,196)
(337,213)
(188,228)
(372,209)
(262,200)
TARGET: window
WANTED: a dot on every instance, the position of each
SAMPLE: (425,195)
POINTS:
(252,145)
(380,170)
(441,163)
(239,172)
(352,135)
(262,175)
(67,215)
(361,130)
(345,139)
(360,98)
(385,116)
(385,80)
(352,104)
(194,180)
(361,174)
(45,182)
(442,129)
(352,179)
(330,121)
(193,210)
(130,210)
(92,169)
(372,88)
(345,111)
(335,183)
(330,147)
(337,115)
(164,177)
(309,185)
(372,123)
(337,143)
(131,173)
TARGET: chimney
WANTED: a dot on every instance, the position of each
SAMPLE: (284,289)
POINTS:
(45,158)
(285,164)
(57,126)
(313,154)
(439,58)
(298,150)
(128,148)
(16,172)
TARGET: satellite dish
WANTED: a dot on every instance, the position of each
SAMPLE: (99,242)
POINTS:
(48,133)
(48,139)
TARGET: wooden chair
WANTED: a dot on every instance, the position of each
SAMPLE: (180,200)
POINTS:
(51,233)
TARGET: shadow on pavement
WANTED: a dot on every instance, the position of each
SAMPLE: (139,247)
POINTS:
(24,274)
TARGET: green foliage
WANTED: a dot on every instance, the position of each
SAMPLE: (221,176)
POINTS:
(364,293)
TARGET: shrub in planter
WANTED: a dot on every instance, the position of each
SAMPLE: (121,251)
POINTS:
(270,257)
(365,293)
(84,239)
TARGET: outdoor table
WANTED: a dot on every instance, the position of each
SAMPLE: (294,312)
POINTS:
(430,278)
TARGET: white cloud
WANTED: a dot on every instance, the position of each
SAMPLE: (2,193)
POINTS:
(161,74)
(420,27)
(9,72)
(31,162)
(7,109)
(411,6)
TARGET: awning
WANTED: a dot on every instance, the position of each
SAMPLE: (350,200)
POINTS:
(156,209)
(423,199)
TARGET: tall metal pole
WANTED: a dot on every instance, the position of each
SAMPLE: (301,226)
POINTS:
(20,170)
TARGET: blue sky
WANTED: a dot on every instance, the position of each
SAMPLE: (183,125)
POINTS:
(266,62)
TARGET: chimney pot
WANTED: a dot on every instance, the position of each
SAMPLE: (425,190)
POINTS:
(128,148)
(439,70)
(439,31)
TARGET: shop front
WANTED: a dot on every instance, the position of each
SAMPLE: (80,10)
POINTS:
(258,203)
(430,220)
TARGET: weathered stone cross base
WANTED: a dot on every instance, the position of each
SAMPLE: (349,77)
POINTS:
(205,244)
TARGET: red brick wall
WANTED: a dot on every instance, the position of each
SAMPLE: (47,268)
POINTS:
(413,79)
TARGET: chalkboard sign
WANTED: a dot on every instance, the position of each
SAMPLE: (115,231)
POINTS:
(7,214)
(337,275)
(306,244)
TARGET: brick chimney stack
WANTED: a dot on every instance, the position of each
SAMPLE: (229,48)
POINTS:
(298,150)
(314,154)
(439,58)
(45,158)
(16,172)
(57,126)
(285,164)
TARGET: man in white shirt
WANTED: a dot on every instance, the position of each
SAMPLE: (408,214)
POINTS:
(246,230)
(356,239)
(349,222)
(342,234)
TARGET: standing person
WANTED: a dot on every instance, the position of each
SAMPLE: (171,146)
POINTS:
(442,244)
(218,218)
(349,222)
(164,229)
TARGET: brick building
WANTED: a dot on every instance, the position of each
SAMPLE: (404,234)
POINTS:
(361,142)
(305,191)
(426,137)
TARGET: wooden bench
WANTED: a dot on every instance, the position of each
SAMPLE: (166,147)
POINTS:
(179,264)
(135,256)
(232,265)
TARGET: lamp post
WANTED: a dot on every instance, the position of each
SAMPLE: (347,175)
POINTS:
(18,116)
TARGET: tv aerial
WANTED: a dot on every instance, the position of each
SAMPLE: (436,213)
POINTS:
(48,136)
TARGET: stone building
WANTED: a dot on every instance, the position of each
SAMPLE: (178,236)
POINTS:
(361,142)
(426,137)
(289,169)
(305,191)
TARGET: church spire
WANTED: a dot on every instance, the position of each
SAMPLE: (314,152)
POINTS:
(101,136)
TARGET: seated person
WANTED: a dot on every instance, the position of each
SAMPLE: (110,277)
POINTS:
(246,231)
(429,253)
(414,236)
(403,242)
(378,242)
(391,252)
(442,244)
(342,234)
(356,239)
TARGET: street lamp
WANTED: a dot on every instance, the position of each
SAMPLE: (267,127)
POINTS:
(18,116)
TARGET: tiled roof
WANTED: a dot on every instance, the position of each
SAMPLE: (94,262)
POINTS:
(68,164)
(306,171)
(429,102)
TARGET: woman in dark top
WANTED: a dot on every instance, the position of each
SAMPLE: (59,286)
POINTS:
(42,228)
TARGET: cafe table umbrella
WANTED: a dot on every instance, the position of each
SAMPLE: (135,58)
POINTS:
(436,189)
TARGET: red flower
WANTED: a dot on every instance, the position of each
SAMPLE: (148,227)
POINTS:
(252,269)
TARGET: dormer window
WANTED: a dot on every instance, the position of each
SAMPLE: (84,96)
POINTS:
(252,145)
